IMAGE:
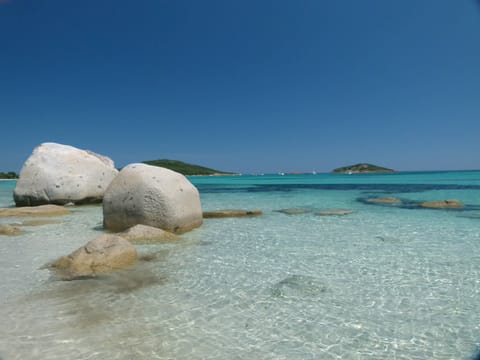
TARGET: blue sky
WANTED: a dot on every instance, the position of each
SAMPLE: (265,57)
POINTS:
(244,85)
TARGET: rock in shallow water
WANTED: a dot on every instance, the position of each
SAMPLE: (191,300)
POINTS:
(144,234)
(10,230)
(384,200)
(154,196)
(41,210)
(106,253)
(441,204)
(334,212)
(39,222)
(231,213)
(293,211)
(60,174)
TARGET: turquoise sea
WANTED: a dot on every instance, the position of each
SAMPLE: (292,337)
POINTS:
(384,282)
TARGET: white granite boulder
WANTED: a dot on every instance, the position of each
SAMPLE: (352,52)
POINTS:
(154,196)
(62,174)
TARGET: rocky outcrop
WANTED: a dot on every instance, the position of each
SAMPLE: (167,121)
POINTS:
(142,234)
(106,253)
(334,212)
(293,211)
(41,210)
(39,222)
(61,174)
(154,196)
(231,213)
(10,230)
(441,204)
(384,200)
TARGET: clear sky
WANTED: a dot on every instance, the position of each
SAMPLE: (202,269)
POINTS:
(244,85)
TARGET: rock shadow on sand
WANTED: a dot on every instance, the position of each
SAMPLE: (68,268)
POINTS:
(94,301)
(298,287)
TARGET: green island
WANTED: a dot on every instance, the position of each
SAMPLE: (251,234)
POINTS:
(185,168)
(9,175)
(361,168)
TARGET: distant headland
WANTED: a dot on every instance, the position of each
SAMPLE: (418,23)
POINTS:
(192,169)
(361,168)
(185,168)
(175,165)
(8,175)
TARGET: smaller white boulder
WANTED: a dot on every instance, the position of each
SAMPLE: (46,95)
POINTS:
(154,196)
(106,253)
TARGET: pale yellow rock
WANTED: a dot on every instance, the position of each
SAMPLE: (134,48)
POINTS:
(41,210)
(141,234)
(39,222)
(9,230)
(231,213)
(440,204)
(338,212)
(384,200)
(106,253)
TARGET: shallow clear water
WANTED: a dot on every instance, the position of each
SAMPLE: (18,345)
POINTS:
(384,282)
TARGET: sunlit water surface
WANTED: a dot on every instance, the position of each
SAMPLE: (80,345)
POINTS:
(384,282)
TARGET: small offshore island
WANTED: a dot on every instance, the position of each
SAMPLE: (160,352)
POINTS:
(361,168)
(185,168)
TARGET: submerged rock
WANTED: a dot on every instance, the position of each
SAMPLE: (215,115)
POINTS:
(337,212)
(298,286)
(60,174)
(470,216)
(41,210)
(141,234)
(387,238)
(441,204)
(10,230)
(106,253)
(231,213)
(384,200)
(293,211)
(154,196)
(39,222)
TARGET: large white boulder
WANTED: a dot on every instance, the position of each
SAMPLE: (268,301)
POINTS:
(61,174)
(154,196)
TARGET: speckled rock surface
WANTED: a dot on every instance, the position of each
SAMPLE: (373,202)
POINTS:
(61,174)
(154,196)
(105,253)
